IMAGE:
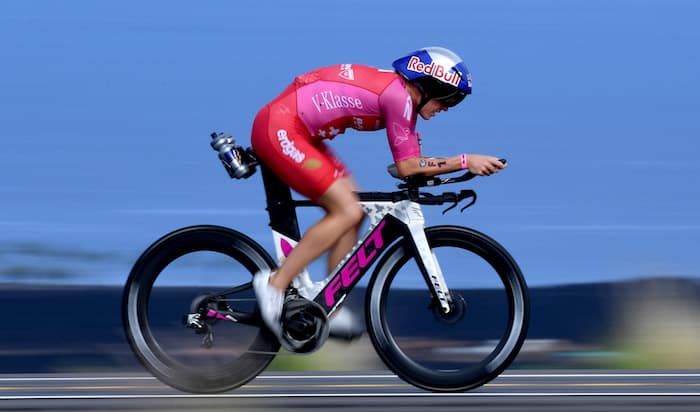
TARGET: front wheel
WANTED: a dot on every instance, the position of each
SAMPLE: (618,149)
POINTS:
(471,344)
(189,311)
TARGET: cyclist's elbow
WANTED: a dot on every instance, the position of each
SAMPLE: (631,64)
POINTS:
(407,167)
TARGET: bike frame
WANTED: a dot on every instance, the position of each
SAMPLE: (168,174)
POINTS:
(390,220)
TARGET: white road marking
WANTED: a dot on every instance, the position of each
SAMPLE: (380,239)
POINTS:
(274,376)
(605,375)
(350,395)
(77,378)
(366,376)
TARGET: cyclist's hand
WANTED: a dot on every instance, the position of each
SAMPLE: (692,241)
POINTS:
(484,165)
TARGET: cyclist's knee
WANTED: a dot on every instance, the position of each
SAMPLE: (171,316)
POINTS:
(341,201)
(350,213)
(355,214)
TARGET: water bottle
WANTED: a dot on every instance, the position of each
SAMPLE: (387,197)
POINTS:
(230,155)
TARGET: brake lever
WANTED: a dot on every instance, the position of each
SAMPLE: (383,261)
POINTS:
(455,202)
(450,208)
(463,194)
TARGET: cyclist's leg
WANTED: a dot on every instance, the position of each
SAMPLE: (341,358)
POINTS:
(343,215)
(341,248)
(348,239)
(282,143)
(345,323)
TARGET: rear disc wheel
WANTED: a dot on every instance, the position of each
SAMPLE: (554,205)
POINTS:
(186,273)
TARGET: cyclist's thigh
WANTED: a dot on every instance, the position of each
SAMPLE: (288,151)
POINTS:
(341,169)
(286,148)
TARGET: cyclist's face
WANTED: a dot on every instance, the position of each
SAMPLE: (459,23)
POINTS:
(431,109)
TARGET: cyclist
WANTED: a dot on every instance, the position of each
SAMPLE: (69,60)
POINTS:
(288,135)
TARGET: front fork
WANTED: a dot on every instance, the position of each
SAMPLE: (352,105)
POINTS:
(426,259)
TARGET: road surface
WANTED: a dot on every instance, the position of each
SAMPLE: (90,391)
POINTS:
(519,390)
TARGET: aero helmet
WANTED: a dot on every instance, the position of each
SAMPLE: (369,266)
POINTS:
(438,73)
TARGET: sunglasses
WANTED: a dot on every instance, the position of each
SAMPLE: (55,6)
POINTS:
(453,99)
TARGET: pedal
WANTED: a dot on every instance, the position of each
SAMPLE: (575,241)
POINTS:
(345,325)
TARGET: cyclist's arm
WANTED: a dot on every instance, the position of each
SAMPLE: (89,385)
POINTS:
(400,118)
(430,166)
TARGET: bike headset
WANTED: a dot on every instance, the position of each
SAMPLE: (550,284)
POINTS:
(438,73)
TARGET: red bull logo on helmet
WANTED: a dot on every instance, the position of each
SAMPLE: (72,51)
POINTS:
(438,71)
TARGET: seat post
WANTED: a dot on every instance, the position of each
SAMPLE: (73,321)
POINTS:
(280,206)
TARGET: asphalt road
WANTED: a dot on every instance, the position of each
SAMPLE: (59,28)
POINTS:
(373,391)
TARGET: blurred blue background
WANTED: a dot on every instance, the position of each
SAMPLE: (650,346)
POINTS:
(106,108)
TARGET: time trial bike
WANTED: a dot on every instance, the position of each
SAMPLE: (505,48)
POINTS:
(446,307)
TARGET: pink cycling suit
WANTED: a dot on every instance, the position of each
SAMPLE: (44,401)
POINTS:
(288,132)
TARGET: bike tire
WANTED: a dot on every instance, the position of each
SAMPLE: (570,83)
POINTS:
(194,369)
(406,337)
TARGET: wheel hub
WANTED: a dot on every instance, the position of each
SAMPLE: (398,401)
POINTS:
(458,308)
